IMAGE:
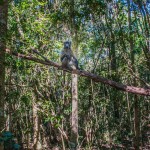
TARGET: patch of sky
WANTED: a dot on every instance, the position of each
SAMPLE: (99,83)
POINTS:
(135,7)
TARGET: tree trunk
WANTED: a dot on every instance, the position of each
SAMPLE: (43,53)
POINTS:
(136,108)
(114,77)
(146,23)
(3,33)
(36,128)
(113,64)
(74,117)
(136,124)
(74,120)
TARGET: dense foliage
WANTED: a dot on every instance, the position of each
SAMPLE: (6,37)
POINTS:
(113,40)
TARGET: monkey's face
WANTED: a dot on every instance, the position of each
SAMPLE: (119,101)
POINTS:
(67,45)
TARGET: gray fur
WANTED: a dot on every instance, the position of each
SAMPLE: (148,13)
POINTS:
(68,60)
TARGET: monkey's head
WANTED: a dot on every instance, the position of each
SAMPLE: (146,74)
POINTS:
(67,45)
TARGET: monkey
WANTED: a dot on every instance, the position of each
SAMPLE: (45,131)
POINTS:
(67,58)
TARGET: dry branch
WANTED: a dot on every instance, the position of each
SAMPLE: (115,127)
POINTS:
(96,78)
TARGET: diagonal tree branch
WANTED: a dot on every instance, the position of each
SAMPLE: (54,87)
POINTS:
(96,78)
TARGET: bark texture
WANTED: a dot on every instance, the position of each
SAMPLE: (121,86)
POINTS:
(3,33)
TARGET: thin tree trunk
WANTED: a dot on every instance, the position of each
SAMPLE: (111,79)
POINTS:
(9,116)
(113,64)
(74,118)
(35,127)
(74,121)
(146,23)
(136,108)
(3,33)
(114,77)
(136,124)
